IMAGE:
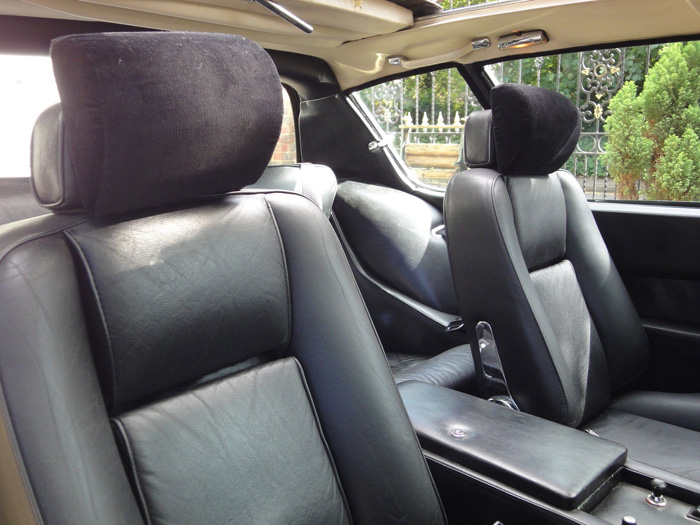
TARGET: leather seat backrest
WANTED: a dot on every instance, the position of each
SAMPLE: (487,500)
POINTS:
(314,181)
(527,257)
(17,201)
(175,351)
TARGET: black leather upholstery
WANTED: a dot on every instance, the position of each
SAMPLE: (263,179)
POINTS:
(176,471)
(525,243)
(391,233)
(676,409)
(53,176)
(17,201)
(551,462)
(314,181)
(397,240)
(224,338)
(670,447)
(477,140)
(453,368)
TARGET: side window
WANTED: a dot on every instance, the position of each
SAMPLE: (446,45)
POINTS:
(639,112)
(27,88)
(286,149)
(422,118)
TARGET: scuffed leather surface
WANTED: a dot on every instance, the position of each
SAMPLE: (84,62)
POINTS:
(154,118)
(183,293)
(577,340)
(682,410)
(478,143)
(505,227)
(243,449)
(453,369)
(665,446)
(551,462)
(314,181)
(398,362)
(390,233)
(539,213)
(17,200)
(53,176)
(619,327)
(493,284)
(361,413)
(50,388)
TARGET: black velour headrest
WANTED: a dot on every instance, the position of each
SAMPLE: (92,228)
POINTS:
(154,118)
(53,177)
(479,148)
(535,130)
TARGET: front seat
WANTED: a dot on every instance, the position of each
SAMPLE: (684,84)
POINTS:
(528,259)
(171,352)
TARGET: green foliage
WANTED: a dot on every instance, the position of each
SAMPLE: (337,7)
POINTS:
(653,144)
(677,171)
(630,151)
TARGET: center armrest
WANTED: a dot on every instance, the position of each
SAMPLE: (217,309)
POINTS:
(557,464)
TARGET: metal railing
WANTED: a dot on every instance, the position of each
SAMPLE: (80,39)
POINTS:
(431,108)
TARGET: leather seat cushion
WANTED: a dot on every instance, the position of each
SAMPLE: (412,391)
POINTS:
(185,450)
(676,409)
(662,445)
(452,369)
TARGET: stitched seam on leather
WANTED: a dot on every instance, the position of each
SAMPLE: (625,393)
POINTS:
(312,406)
(132,463)
(105,325)
(36,236)
(286,271)
(522,290)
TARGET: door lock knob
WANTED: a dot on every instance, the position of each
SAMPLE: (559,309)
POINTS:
(656,498)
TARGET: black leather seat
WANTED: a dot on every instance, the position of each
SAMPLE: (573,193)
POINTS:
(17,201)
(171,352)
(314,181)
(528,259)
(400,258)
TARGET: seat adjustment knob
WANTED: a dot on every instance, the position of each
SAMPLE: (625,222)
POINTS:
(628,520)
(656,498)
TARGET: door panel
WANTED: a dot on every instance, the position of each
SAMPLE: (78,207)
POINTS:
(656,249)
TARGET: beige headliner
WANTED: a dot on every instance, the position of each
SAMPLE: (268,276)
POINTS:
(357,36)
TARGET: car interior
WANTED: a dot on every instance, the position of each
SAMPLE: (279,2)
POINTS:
(347,262)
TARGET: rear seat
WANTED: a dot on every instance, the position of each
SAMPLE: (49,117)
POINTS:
(400,261)
(314,181)
(452,369)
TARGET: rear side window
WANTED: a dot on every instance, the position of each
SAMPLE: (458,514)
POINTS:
(286,149)
(640,117)
(27,88)
(422,118)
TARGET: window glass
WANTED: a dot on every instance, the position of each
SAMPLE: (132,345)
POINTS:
(451,5)
(422,119)
(286,149)
(640,117)
(27,88)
